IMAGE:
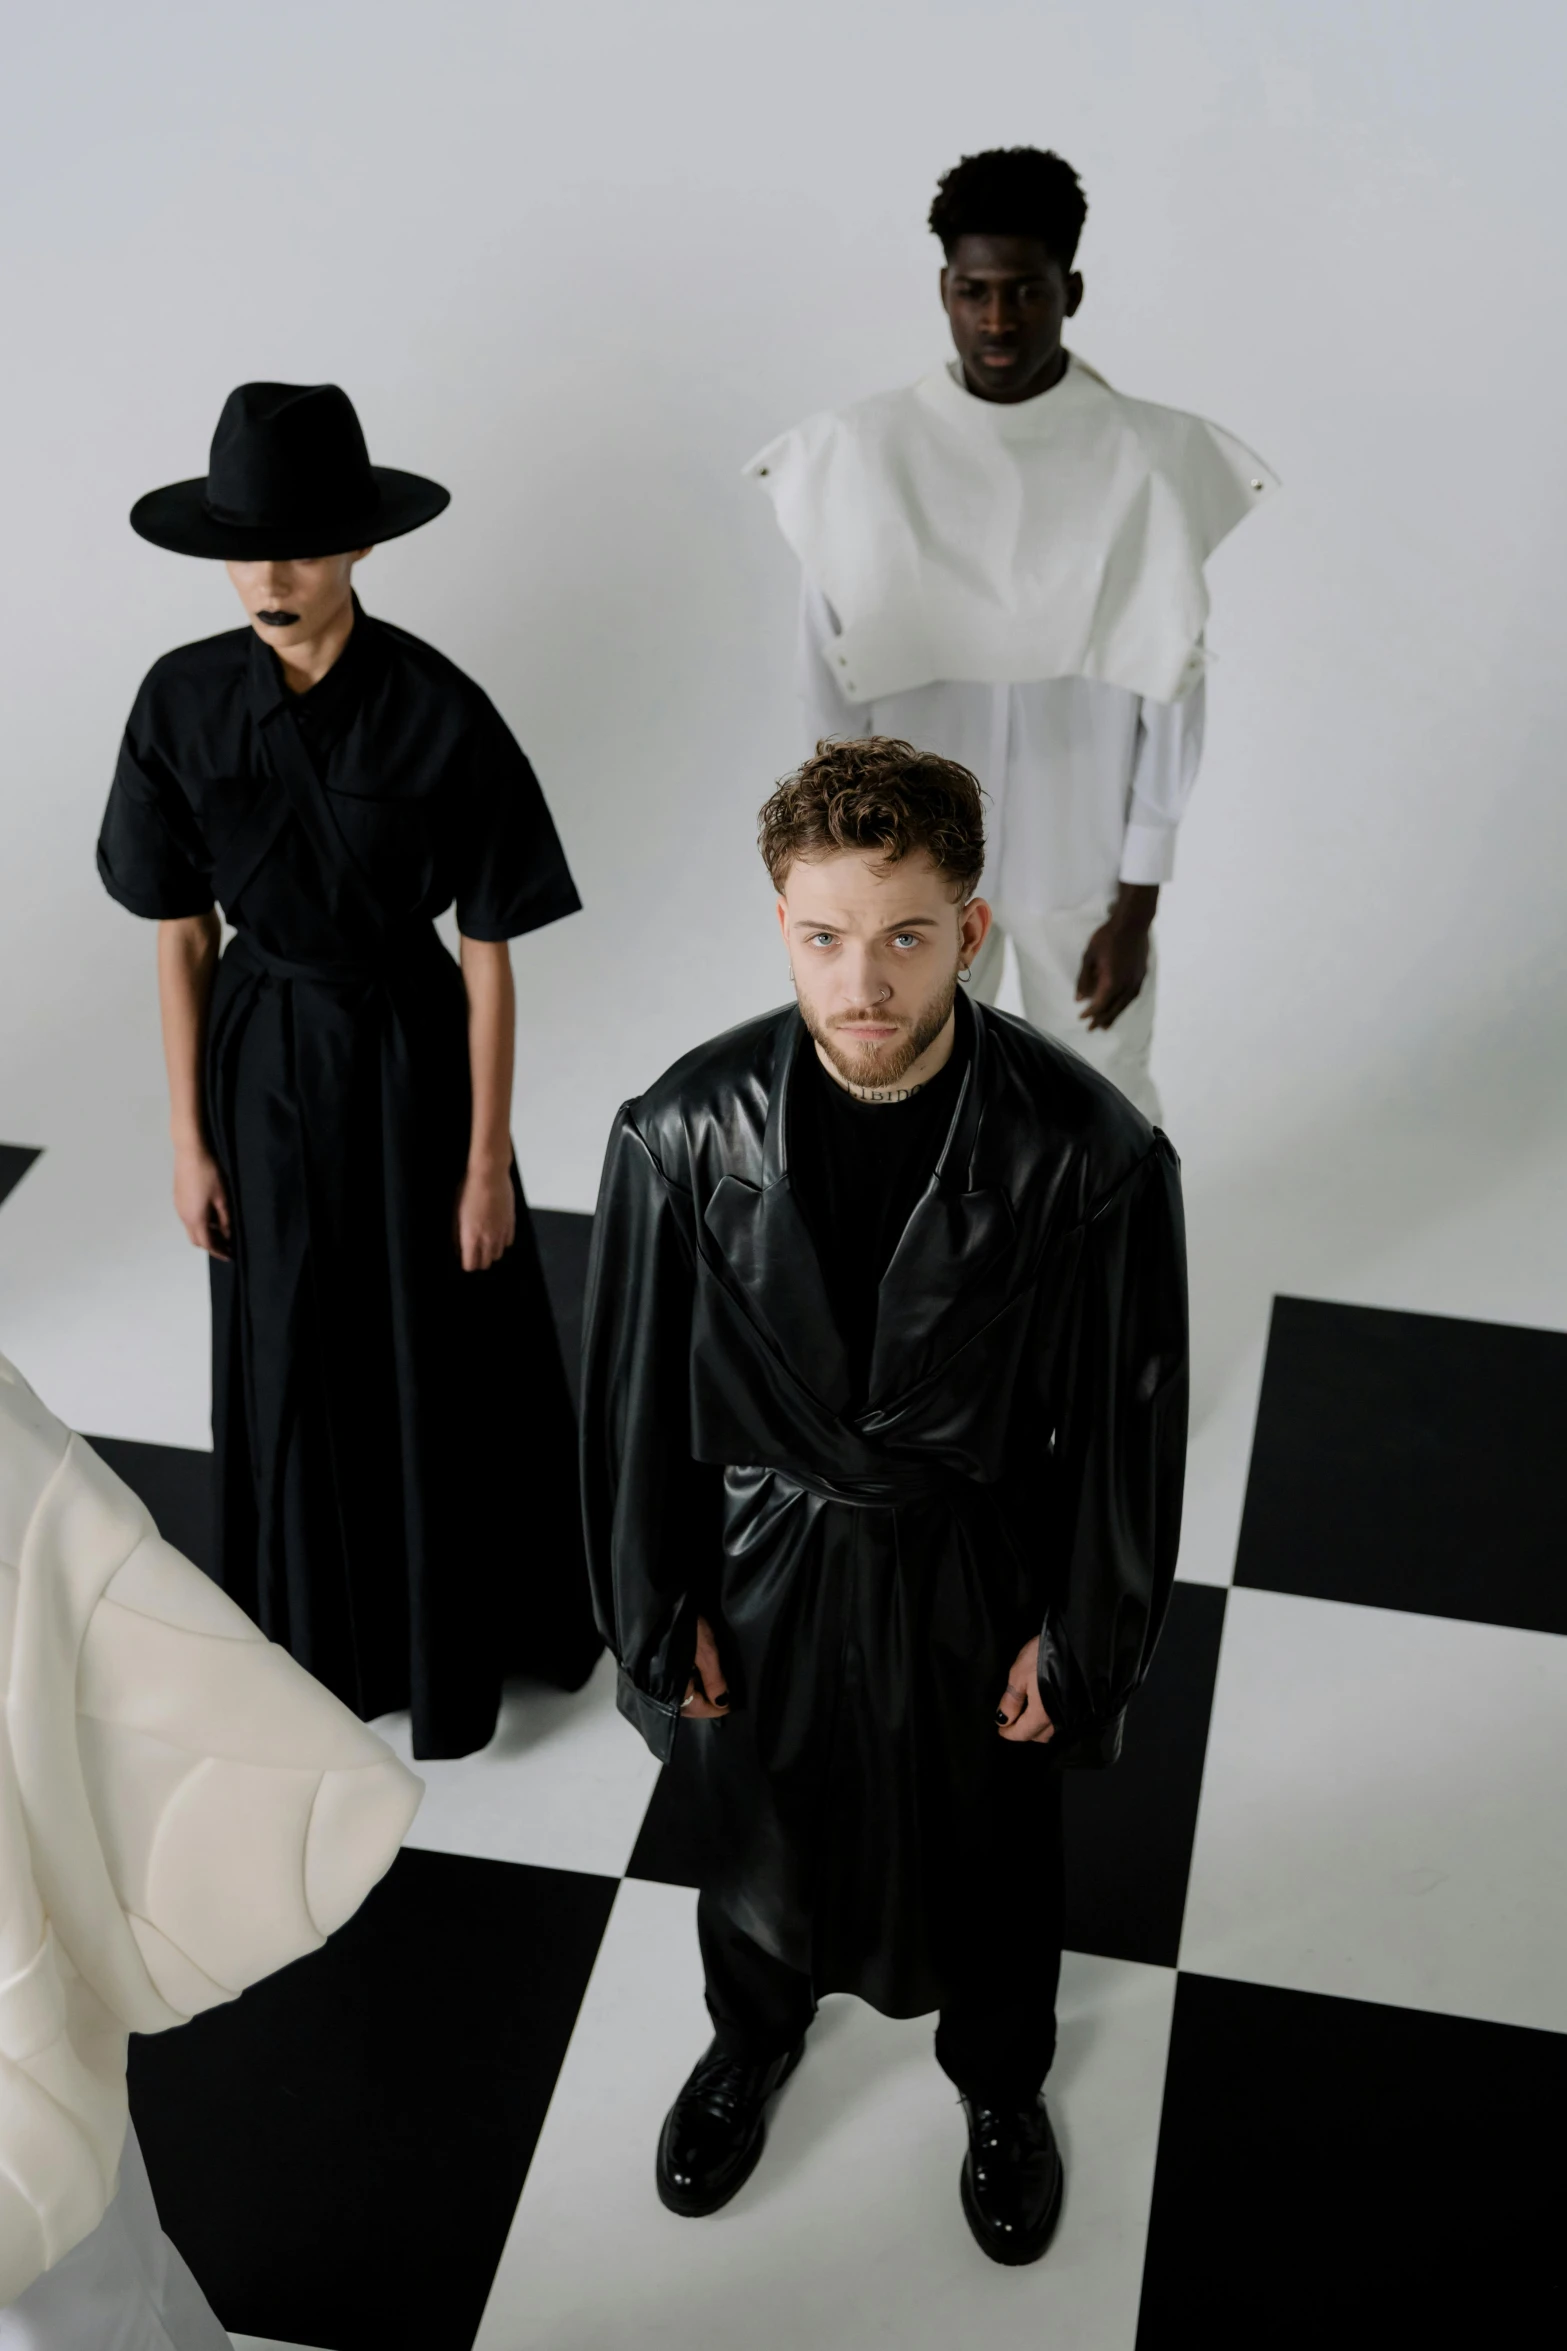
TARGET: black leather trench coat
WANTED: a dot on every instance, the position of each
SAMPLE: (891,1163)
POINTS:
(1015,1470)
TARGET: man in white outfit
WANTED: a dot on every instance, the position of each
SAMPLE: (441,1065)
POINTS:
(1003,564)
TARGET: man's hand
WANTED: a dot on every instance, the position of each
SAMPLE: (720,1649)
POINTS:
(1021,1715)
(709,1676)
(486,1217)
(1115,961)
(200,1201)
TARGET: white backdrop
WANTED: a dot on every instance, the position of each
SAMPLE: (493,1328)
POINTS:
(578,263)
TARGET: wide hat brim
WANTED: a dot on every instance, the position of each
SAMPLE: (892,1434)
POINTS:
(177,517)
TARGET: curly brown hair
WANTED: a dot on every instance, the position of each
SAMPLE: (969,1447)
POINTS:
(878,794)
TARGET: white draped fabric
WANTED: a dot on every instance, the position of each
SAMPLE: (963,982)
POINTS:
(182,1810)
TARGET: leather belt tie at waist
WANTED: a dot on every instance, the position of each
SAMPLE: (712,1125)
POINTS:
(893,1486)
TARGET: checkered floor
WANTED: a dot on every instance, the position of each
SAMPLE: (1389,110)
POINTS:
(1314,2013)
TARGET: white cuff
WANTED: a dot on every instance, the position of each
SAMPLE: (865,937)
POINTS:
(1148,853)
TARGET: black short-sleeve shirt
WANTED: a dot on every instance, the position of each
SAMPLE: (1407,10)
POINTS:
(428,791)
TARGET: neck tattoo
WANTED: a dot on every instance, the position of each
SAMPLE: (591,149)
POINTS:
(886,1094)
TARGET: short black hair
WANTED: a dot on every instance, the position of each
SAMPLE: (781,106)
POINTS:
(1012,192)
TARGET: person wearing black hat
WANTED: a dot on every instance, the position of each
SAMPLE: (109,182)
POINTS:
(391,1426)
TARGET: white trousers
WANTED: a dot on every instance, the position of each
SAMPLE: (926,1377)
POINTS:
(1049,950)
(123,2288)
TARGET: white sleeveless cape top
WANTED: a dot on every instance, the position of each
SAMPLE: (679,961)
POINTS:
(960,538)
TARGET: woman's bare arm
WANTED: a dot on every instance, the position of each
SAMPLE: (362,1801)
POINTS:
(187,960)
(486,1211)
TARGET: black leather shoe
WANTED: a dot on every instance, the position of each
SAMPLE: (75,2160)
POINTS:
(714,2133)
(1012,2180)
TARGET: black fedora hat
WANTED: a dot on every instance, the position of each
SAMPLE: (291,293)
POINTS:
(289,475)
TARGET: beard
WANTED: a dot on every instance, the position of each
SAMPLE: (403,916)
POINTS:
(877,1068)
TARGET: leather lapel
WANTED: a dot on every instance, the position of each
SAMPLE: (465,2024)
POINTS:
(950,1273)
(768,1255)
(953,1268)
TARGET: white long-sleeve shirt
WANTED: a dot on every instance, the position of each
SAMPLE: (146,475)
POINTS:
(1087,782)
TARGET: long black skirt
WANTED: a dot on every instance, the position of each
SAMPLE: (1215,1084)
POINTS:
(394,1441)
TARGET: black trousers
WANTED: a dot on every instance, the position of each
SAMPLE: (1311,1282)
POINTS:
(996,2033)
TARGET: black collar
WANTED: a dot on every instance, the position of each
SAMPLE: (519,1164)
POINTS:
(333,699)
(950,1272)
(952,1167)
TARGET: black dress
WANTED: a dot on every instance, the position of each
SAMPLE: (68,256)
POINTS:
(393,1436)
(873,1563)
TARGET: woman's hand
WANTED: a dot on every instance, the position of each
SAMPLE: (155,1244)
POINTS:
(486,1217)
(200,1201)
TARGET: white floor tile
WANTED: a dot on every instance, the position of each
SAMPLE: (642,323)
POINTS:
(850,2233)
(264,2343)
(563,1784)
(1218,1457)
(1382,1810)
(104,1300)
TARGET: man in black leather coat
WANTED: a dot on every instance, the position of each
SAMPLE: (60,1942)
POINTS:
(883,1428)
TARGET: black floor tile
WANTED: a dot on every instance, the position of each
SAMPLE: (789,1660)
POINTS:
(1410,1461)
(1129,1830)
(15,1160)
(339,2153)
(564,1237)
(672,1843)
(1336,2173)
(176,1485)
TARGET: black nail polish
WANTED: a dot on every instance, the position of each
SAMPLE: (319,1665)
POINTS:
(1001,1718)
